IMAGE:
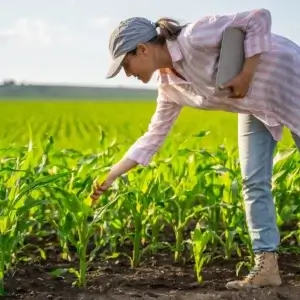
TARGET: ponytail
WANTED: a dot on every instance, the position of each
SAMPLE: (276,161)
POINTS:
(169,29)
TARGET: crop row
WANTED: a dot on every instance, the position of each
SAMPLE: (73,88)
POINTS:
(188,202)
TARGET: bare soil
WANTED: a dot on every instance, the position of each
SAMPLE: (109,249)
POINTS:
(157,278)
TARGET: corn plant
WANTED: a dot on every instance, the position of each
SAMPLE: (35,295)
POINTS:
(200,238)
(76,221)
(19,187)
(189,198)
(140,208)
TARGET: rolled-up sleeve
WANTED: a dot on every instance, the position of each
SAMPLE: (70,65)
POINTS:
(208,31)
(148,144)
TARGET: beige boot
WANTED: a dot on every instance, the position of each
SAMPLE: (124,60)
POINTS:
(264,273)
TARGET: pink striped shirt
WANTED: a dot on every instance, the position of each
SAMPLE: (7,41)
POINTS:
(273,96)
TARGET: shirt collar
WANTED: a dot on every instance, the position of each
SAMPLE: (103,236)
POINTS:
(167,76)
(174,50)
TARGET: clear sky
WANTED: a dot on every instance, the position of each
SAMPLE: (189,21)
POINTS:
(66,41)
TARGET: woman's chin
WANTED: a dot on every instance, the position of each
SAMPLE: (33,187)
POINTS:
(144,79)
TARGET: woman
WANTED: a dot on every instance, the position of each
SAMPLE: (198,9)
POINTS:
(265,94)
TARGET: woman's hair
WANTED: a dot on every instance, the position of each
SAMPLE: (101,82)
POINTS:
(169,29)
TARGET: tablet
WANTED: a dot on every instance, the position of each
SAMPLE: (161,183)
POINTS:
(232,56)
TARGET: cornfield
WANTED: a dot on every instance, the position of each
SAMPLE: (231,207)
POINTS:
(188,202)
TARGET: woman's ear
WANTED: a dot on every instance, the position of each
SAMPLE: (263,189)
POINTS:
(142,49)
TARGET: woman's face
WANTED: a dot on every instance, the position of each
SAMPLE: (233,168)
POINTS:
(142,64)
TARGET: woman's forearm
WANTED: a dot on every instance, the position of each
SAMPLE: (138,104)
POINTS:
(250,64)
(123,166)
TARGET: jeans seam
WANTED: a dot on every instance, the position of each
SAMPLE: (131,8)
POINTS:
(268,157)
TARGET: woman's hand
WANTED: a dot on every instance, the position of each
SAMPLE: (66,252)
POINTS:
(116,171)
(99,189)
(239,85)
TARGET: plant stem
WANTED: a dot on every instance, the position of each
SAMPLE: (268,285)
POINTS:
(179,238)
(1,286)
(83,241)
(136,243)
(82,267)
(2,263)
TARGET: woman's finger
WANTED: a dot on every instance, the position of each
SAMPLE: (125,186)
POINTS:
(100,186)
(235,94)
(97,191)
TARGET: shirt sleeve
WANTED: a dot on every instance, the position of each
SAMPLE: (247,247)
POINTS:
(207,32)
(147,145)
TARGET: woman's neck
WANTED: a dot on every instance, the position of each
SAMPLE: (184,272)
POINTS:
(164,59)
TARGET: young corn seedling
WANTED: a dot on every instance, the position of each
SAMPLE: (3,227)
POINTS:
(135,207)
(199,241)
(286,190)
(15,207)
(19,191)
(140,210)
(77,222)
(154,192)
(180,210)
(182,198)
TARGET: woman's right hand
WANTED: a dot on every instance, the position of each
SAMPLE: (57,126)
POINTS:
(99,189)
(117,170)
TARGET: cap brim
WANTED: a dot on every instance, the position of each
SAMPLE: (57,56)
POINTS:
(115,66)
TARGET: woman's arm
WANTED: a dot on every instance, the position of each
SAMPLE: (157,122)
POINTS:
(142,151)
(146,146)
(207,32)
(250,65)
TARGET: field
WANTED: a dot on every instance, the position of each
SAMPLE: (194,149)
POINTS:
(173,230)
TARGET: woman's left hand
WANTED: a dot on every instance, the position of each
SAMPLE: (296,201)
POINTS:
(239,85)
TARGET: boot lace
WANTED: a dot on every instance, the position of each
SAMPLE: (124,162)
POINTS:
(259,262)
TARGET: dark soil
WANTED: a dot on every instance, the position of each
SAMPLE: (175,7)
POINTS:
(157,278)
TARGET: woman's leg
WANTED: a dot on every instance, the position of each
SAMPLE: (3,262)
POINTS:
(256,149)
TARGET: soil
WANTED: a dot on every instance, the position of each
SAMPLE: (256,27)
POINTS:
(157,278)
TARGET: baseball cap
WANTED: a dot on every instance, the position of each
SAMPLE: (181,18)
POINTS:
(128,34)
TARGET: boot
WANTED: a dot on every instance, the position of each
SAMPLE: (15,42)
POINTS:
(264,273)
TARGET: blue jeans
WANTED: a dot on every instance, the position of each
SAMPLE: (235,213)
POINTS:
(256,148)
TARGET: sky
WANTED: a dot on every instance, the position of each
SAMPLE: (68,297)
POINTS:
(66,41)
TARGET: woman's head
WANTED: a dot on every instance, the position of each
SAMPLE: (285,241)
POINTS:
(140,49)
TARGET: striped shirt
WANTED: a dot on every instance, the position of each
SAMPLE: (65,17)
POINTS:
(273,96)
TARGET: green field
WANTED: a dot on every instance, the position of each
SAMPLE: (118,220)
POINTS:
(78,124)
(187,203)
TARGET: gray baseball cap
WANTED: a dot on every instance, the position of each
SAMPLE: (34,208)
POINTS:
(126,37)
